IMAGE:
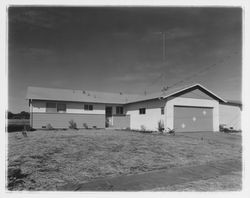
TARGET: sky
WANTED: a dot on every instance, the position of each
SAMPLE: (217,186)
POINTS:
(120,49)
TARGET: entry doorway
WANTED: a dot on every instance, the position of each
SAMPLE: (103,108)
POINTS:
(108,116)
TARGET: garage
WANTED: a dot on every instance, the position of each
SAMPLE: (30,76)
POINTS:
(191,119)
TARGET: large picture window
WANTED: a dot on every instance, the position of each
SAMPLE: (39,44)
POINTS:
(51,107)
(119,110)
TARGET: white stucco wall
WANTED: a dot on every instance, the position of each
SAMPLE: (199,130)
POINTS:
(230,115)
(169,116)
(150,119)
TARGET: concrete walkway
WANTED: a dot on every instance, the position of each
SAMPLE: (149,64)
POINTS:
(151,180)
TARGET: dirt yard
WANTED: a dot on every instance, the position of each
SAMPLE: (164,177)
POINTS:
(48,159)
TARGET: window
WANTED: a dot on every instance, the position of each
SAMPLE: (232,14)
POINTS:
(162,111)
(61,108)
(142,111)
(119,110)
(51,107)
(88,107)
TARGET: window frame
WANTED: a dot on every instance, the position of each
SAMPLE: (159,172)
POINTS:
(88,107)
(119,110)
(142,111)
(61,111)
(48,109)
(55,108)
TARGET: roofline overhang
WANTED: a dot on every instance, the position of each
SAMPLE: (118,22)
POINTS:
(129,102)
(197,84)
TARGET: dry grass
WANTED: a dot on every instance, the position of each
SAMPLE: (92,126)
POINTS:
(54,158)
(230,182)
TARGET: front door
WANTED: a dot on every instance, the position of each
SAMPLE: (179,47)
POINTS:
(108,113)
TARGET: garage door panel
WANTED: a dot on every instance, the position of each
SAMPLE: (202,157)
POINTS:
(189,119)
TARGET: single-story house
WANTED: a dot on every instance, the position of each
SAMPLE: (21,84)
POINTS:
(187,108)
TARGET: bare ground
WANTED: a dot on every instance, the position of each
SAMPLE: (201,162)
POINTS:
(49,159)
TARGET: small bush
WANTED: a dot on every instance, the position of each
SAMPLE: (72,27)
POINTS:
(28,128)
(161,126)
(222,127)
(85,125)
(49,127)
(143,128)
(72,124)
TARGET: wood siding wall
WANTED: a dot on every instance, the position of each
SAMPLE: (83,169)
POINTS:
(61,120)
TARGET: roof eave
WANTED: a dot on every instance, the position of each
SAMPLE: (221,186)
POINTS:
(197,84)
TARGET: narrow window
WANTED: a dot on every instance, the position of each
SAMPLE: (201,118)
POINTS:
(142,111)
(88,107)
(61,108)
(119,110)
(162,111)
(51,107)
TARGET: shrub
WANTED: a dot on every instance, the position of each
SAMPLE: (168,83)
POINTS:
(161,126)
(49,127)
(85,125)
(143,128)
(72,124)
(222,127)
